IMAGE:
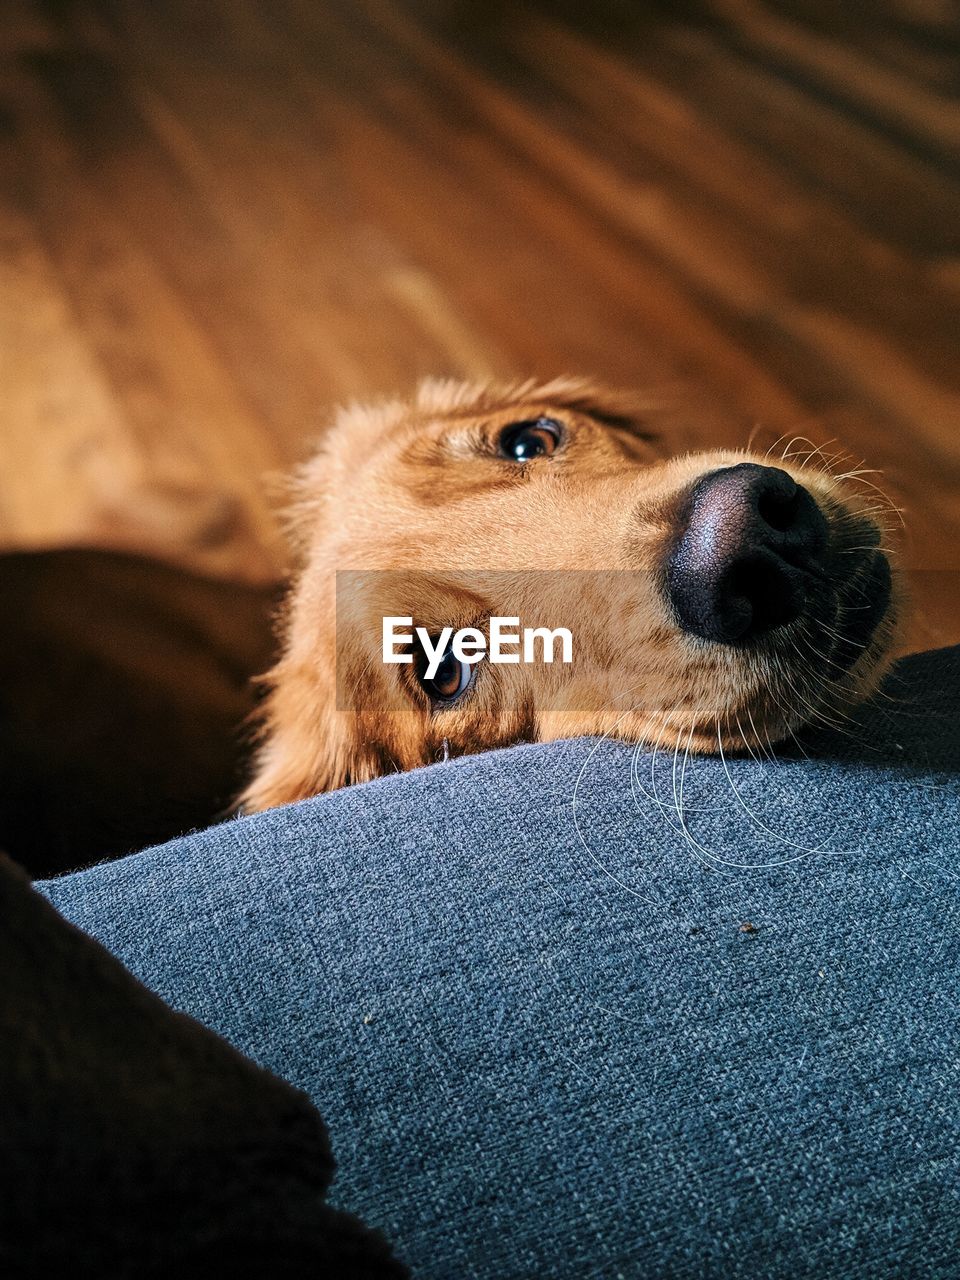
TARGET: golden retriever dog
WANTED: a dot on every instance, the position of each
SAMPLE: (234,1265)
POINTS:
(715,601)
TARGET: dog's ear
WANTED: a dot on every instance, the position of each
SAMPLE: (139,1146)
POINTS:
(305,498)
(312,741)
(354,433)
(307,744)
(299,752)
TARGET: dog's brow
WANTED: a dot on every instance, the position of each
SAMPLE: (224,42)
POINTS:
(621,422)
(606,418)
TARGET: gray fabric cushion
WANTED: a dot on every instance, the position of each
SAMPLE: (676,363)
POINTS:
(573,1010)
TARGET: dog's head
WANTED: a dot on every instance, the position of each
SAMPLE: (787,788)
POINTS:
(716,599)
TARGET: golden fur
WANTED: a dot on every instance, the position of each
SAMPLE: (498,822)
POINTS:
(413,499)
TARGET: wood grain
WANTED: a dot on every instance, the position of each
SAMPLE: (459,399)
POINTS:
(218,220)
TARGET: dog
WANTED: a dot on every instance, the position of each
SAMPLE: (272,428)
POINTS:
(718,600)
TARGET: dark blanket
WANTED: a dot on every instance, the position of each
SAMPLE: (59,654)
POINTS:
(124,686)
(133,1142)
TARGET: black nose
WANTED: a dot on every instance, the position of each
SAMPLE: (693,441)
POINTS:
(751,545)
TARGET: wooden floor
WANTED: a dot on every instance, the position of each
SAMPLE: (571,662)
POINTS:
(220,217)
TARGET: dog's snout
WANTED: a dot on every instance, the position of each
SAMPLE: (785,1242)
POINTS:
(750,540)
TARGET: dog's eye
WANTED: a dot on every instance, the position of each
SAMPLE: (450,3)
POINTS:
(451,680)
(522,441)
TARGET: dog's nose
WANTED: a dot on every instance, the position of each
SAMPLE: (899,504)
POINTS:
(751,542)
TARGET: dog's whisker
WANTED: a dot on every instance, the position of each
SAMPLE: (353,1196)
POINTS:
(637,752)
(849,551)
(816,709)
(664,808)
(818,655)
(804,849)
(575,815)
(773,447)
(888,504)
(812,452)
(747,747)
(756,733)
(701,853)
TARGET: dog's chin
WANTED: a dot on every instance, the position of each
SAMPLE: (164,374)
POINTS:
(814,672)
(865,603)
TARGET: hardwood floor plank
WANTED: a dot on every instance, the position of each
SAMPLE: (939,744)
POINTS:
(179,409)
(59,421)
(218,220)
(898,100)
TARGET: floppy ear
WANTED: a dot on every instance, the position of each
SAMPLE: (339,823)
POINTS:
(301,753)
(308,741)
(354,431)
(309,744)
(302,743)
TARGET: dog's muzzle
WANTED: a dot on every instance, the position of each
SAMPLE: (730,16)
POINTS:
(750,554)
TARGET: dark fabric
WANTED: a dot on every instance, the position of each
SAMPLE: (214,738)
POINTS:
(556,1030)
(135,1143)
(124,684)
